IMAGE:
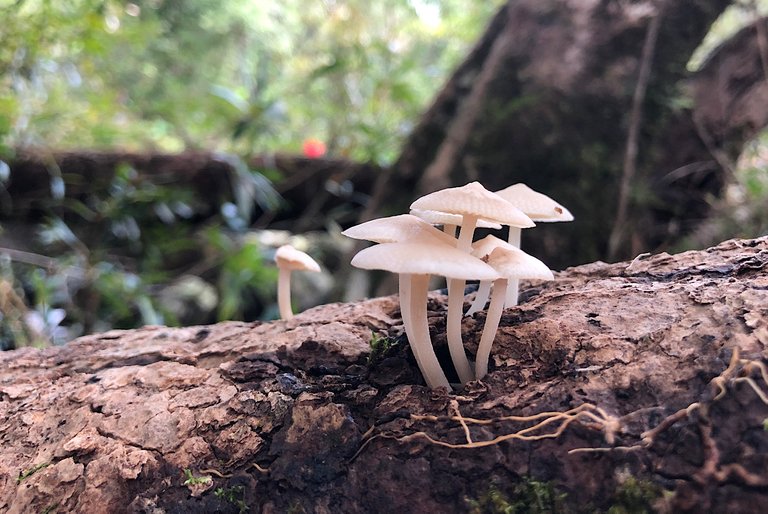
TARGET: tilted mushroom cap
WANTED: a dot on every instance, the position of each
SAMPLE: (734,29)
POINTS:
(395,229)
(538,206)
(511,262)
(474,200)
(288,257)
(444,218)
(424,259)
(486,245)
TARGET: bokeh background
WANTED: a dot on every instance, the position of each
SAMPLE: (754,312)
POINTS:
(153,154)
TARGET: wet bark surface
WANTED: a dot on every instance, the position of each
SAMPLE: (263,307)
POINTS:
(635,384)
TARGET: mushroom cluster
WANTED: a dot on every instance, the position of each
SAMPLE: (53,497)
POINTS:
(411,246)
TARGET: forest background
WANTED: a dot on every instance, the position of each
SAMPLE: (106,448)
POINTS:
(245,84)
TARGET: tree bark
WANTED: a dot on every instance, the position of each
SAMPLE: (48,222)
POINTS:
(656,368)
(558,112)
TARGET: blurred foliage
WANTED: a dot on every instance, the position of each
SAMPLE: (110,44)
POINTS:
(130,256)
(741,212)
(231,76)
(228,75)
(737,16)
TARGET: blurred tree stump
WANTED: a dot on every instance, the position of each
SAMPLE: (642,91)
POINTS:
(547,97)
(638,385)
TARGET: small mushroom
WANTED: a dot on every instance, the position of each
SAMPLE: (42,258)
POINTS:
(473,202)
(396,229)
(537,206)
(415,262)
(399,229)
(511,263)
(290,259)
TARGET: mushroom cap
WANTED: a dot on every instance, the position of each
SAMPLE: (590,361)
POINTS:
(424,259)
(513,263)
(288,257)
(483,247)
(538,206)
(445,218)
(474,200)
(396,229)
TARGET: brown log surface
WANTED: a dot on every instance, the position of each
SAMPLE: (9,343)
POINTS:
(298,416)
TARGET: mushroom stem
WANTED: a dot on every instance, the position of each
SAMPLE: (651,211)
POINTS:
(468,225)
(404,291)
(284,293)
(450,229)
(481,297)
(514,284)
(492,319)
(417,329)
(456,306)
(513,293)
(453,329)
(514,236)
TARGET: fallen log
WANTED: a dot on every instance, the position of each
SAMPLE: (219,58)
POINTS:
(640,385)
(307,186)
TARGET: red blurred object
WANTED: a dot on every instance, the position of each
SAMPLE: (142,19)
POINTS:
(313,148)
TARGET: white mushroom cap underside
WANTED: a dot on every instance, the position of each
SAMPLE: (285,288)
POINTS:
(444,218)
(511,262)
(538,206)
(395,229)
(288,257)
(424,259)
(475,200)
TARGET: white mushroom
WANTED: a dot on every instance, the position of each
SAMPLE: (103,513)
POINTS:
(512,264)
(399,229)
(537,206)
(290,259)
(396,229)
(540,208)
(415,262)
(472,201)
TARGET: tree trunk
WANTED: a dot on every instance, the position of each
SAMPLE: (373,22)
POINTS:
(638,385)
(556,82)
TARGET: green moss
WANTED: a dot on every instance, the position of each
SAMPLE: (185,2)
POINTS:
(381,347)
(193,480)
(233,495)
(529,497)
(31,471)
(632,496)
(635,496)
